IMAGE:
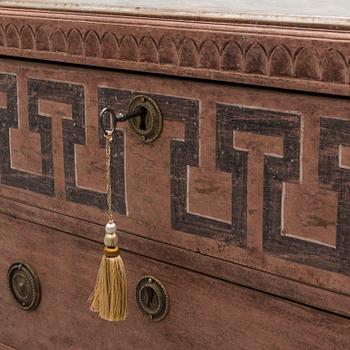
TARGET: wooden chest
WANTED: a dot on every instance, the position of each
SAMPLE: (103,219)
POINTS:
(241,208)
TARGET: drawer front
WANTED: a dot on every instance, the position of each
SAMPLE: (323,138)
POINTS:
(205,313)
(256,177)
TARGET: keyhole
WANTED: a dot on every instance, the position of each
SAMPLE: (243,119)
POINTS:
(150,298)
(143,123)
(143,114)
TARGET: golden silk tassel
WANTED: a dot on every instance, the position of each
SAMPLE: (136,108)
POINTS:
(109,298)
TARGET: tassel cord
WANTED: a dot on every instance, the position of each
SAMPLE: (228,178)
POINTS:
(109,137)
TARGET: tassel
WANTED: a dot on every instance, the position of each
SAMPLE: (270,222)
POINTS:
(109,298)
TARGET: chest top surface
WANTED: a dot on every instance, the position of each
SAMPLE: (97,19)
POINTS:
(296,12)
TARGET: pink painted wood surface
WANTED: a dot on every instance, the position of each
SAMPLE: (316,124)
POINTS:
(204,312)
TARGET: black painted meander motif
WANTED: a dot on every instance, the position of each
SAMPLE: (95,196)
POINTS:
(73,133)
(186,153)
(44,183)
(232,118)
(183,154)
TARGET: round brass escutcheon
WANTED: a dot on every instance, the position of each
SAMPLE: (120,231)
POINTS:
(24,286)
(146,127)
(152,298)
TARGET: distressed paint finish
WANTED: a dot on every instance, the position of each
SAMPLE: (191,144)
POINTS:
(262,149)
(253,140)
(41,183)
(60,107)
(205,313)
(244,199)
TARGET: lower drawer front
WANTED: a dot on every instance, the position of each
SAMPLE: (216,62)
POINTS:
(205,313)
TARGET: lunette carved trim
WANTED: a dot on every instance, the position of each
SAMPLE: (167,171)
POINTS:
(260,58)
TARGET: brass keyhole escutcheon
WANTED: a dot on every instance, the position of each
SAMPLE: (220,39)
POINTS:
(24,286)
(148,125)
(152,298)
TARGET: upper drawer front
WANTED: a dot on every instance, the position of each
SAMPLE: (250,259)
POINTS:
(254,176)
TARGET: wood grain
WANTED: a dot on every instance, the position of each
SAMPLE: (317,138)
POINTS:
(6,347)
(205,312)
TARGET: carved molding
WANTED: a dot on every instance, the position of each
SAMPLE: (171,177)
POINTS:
(297,59)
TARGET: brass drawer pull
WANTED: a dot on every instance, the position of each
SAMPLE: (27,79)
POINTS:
(24,286)
(152,298)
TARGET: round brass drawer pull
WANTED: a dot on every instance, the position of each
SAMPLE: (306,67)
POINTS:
(152,298)
(24,286)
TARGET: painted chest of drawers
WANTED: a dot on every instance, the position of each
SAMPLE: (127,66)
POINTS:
(241,208)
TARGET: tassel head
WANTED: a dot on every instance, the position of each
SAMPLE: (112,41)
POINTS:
(109,298)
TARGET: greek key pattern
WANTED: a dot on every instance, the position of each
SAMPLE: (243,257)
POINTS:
(252,195)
